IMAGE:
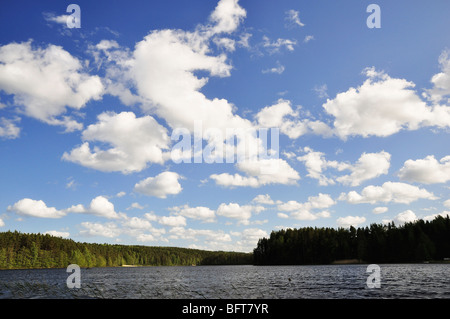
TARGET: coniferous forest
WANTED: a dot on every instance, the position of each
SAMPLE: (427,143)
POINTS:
(412,242)
(19,250)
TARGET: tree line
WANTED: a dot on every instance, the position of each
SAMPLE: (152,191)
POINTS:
(412,242)
(21,250)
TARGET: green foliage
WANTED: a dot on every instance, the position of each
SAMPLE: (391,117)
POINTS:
(412,242)
(18,250)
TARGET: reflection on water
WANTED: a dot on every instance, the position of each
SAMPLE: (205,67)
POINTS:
(231,282)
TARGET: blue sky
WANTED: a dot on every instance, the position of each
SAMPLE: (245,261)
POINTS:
(87,117)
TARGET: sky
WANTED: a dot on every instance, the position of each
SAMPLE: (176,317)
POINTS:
(209,124)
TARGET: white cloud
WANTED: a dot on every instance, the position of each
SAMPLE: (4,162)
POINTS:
(172,221)
(368,166)
(44,81)
(2,223)
(263,199)
(316,164)
(235,180)
(99,206)
(56,233)
(136,206)
(259,173)
(426,171)
(308,38)
(382,106)
(249,238)
(227,16)
(225,43)
(307,210)
(172,89)
(380,210)
(441,81)
(292,16)
(62,19)
(282,116)
(109,230)
(120,194)
(241,213)
(278,69)
(432,217)
(35,208)
(212,238)
(135,142)
(447,203)
(199,213)
(388,192)
(407,216)
(136,223)
(348,221)
(8,128)
(321,91)
(276,46)
(160,186)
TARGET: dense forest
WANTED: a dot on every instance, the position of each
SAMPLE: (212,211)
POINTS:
(19,250)
(412,242)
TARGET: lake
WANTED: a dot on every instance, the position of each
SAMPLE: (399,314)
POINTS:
(398,281)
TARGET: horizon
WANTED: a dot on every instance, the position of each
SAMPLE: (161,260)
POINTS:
(207,125)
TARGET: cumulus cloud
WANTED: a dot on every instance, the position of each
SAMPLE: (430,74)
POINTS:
(99,206)
(50,17)
(45,81)
(316,164)
(35,208)
(388,192)
(109,230)
(380,210)
(368,166)
(447,203)
(441,81)
(259,173)
(444,214)
(172,221)
(408,216)
(202,213)
(8,128)
(212,238)
(282,116)
(160,186)
(348,221)
(236,211)
(249,238)
(227,16)
(307,210)
(382,106)
(135,142)
(263,199)
(427,171)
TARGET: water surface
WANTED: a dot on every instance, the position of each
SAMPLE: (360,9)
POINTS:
(231,282)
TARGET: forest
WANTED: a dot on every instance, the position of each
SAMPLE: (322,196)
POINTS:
(419,241)
(24,251)
(412,242)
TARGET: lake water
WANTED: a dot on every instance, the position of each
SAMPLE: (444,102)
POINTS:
(231,282)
